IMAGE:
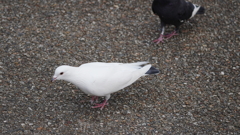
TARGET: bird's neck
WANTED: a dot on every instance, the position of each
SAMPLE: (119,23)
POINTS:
(74,76)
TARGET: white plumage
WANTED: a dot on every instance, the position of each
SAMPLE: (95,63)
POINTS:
(102,79)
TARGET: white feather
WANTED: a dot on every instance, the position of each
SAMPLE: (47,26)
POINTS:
(102,79)
(195,10)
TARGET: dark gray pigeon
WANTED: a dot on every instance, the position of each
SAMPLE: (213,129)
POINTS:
(174,12)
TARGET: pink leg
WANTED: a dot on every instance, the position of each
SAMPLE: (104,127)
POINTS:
(160,39)
(171,34)
(101,105)
(94,99)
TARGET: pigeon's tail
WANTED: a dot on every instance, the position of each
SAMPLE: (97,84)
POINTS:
(152,70)
(201,10)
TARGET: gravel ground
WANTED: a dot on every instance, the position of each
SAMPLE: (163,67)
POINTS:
(197,91)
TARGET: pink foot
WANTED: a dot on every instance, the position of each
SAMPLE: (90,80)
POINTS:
(94,99)
(101,106)
(160,39)
(170,35)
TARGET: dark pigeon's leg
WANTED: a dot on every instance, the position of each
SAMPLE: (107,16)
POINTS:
(162,29)
(175,32)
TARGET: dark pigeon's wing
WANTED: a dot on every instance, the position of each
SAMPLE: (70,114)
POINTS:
(185,10)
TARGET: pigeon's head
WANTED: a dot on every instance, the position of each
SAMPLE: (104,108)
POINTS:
(61,72)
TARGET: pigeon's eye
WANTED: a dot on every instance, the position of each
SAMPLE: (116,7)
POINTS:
(61,73)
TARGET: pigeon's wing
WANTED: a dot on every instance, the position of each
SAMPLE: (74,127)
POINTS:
(185,10)
(106,78)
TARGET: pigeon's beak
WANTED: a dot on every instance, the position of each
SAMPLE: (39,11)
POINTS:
(53,79)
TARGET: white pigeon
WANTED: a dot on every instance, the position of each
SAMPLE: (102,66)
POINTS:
(102,79)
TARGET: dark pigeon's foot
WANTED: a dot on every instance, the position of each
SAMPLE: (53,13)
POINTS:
(160,39)
(171,34)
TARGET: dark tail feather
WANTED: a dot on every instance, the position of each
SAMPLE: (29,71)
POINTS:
(152,70)
(201,10)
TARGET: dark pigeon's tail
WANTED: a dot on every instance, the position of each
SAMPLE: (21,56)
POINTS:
(152,70)
(201,10)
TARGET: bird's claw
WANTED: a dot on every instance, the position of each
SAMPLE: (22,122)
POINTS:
(160,39)
(170,35)
(94,99)
(101,105)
